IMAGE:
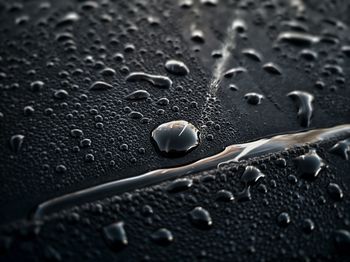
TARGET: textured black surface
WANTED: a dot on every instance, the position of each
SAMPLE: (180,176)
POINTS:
(33,48)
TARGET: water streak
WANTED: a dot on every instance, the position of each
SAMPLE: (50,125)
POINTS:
(233,153)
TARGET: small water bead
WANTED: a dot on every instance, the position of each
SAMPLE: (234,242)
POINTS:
(320,84)
(308,226)
(76,133)
(85,142)
(16,142)
(197,36)
(61,169)
(239,26)
(175,138)
(179,185)
(36,86)
(138,95)
(308,54)
(60,94)
(252,54)
(272,68)
(89,158)
(281,162)
(135,115)
(342,148)
(64,37)
(155,80)
(28,110)
(108,72)
(210,2)
(68,19)
(233,87)
(216,54)
(283,219)
(201,218)
(176,67)
(100,86)
(305,109)
(346,50)
(185,3)
(234,72)
(162,236)
(335,191)
(310,164)
(163,101)
(292,179)
(253,98)
(224,196)
(115,236)
(298,39)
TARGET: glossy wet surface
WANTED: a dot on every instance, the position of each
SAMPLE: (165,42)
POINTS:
(85,83)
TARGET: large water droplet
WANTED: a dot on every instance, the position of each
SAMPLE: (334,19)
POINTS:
(175,138)
(310,164)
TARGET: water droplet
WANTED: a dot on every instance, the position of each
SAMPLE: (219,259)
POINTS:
(250,177)
(176,67)
(224,196)
(36,86)
(335,191)
(304,101)
(28,110)
(201,218)
(346,50)
(135,115)
(162,236)
(68,19)
(179,185)
(156,80)
(252,54)
(108,72)
(283,219)
(308,226)
(138,95)
(61,169)
(100,86)
(342,148)
(253,98)
(60,94)
(76,133)
(16,142)
(234,72)
(298,39)
(115,236)
(272,69)
(175,138)
(233,87)
(310,164)
(209,2)
(197,36)
(308,54)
